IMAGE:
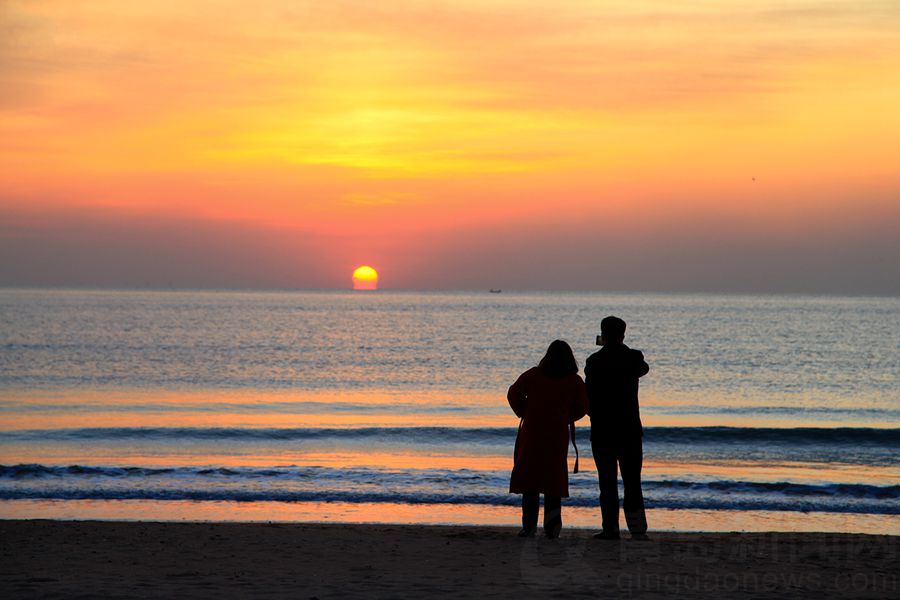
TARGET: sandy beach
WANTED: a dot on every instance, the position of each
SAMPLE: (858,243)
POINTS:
(140,559)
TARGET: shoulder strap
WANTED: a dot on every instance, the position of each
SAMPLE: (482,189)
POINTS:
(574,444)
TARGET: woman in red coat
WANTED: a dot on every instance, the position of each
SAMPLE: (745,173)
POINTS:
(548,398)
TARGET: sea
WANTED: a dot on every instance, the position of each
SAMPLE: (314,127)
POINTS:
(760,412)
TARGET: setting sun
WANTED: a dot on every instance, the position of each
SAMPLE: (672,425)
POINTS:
(365,278)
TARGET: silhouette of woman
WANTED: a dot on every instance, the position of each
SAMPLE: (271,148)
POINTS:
(548,399)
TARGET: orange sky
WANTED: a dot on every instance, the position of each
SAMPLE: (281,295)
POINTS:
(597,145)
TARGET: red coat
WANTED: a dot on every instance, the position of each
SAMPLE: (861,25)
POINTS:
(547,406)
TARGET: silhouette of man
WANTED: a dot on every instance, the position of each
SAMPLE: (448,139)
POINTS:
(611,375)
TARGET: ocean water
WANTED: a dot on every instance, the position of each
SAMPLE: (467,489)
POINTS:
(761,412)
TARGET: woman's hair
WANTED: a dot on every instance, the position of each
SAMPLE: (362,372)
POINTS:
(559,360)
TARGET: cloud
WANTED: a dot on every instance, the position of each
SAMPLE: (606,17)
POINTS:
(675,254)
(838,253)
(109,249)
(355,131)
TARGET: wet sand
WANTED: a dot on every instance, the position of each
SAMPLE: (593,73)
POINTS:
(72,559)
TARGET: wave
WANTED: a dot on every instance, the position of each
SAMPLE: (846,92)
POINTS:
(297,408)
(316,407)
(769,410)
(717,502)
(419,434)
(35,471)
(792,435)
(832,490)
(847,436)
(393,481)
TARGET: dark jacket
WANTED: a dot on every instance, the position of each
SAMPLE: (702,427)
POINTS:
(611,375)
(546,407)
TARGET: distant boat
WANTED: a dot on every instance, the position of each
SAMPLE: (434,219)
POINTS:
(493,291)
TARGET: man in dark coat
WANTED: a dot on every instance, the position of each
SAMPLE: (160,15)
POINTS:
(611,375)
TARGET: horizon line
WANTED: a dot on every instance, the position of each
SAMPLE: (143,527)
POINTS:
(251,289)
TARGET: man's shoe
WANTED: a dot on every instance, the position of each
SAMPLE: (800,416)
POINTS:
(527,532)
(640,537)
(605,535)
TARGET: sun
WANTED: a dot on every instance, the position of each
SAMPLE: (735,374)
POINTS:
(365,278)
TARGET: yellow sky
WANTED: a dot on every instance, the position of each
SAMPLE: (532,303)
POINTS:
(359,120)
